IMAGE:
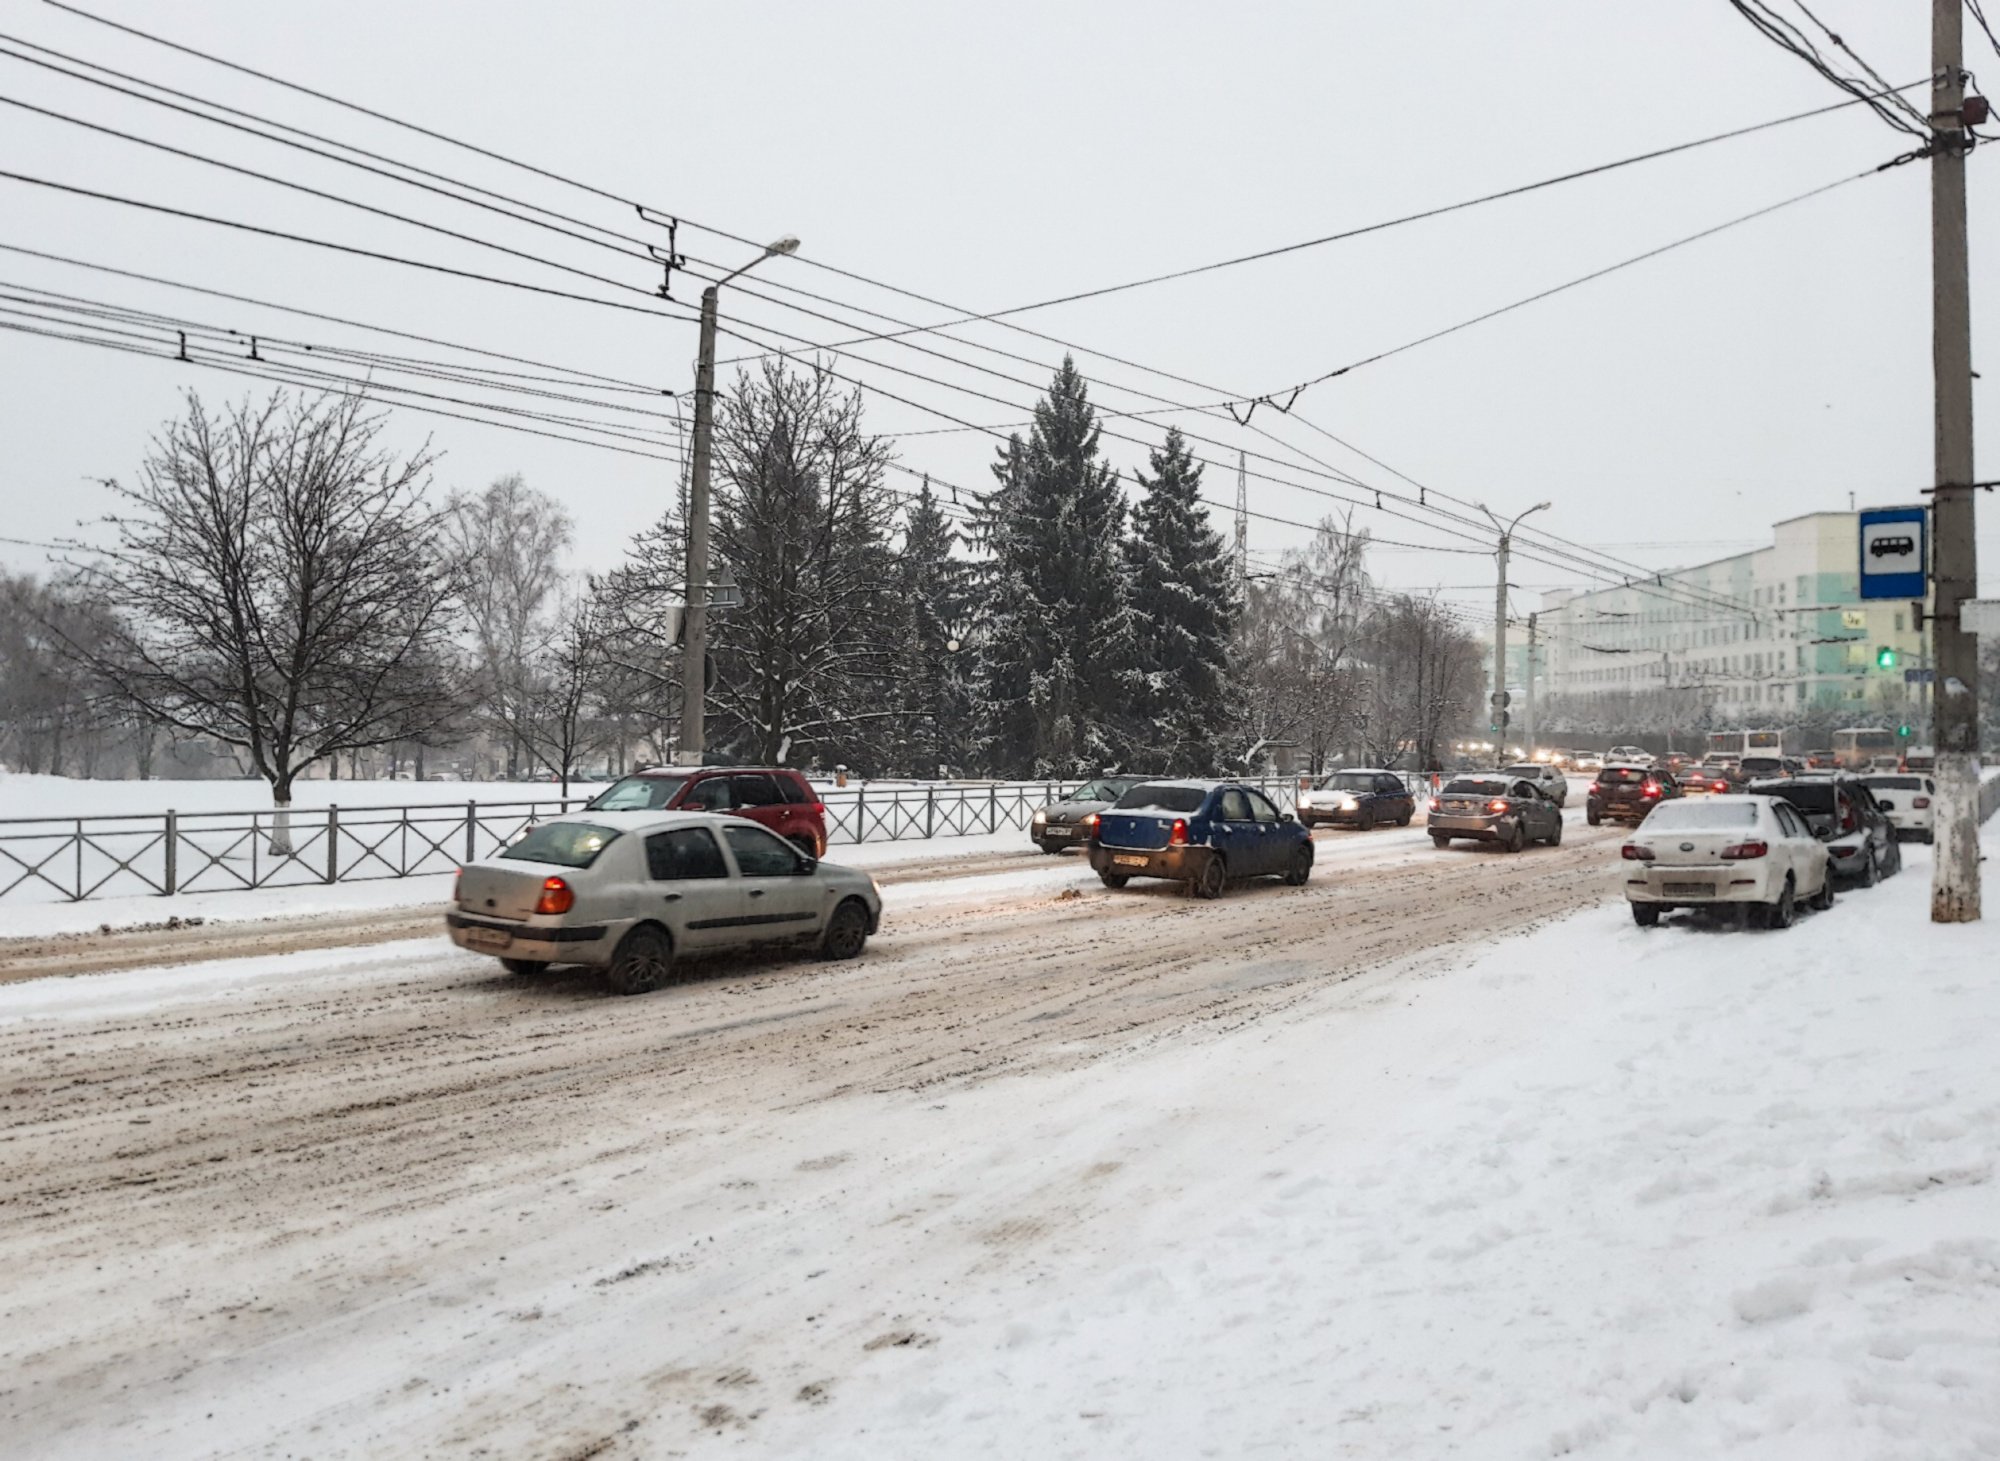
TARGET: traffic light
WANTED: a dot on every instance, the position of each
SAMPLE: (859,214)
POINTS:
(1885,658)
(1903,732)
(1500,719)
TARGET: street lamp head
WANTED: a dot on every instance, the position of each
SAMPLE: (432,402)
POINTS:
(785,245)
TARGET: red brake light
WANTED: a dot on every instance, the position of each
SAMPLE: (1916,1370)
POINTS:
(1718,786)
(1743,851)
(1633,852)
(1846,815)
(556,897)
(1179,836)
(1090,825)
(1651,788)
(1436,805)
(1597,788)
(1499,804)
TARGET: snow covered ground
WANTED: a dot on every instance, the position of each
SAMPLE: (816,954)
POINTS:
(1589,1190)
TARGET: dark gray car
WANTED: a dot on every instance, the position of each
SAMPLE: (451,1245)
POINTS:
(1495,807)
(1066,823)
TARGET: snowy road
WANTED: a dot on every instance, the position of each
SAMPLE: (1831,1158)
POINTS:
(1333,1170)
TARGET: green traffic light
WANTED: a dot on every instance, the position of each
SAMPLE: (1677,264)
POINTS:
(1903,731)
(1885,658)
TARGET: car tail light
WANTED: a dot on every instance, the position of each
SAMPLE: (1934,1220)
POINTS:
(1436,805)
(1718,786)
(1744,851)
(1847,816)
(1920,802)
(1634,852)
(1499,804)
(1651,788)
(1178,837)
(556,897)
(457,886)
(1090,825)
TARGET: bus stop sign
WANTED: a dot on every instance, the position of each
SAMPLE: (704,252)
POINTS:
(1895,557)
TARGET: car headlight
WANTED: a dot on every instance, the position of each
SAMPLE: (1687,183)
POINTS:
(1349,804)
(1041,818)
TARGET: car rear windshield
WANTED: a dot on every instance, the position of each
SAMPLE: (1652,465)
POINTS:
(1531,772)
(637,794)
(1470,786)
(1621,774)
(566,844)
(1154,797)
(1896,783)
(1692,814)
(1349,781)
(1763,763)
(1807,796)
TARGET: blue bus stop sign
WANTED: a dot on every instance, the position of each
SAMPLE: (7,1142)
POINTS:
(1895,558)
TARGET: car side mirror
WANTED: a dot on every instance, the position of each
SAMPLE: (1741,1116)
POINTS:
(1286,817)
(807,864)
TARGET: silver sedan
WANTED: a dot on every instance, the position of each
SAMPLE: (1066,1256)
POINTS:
(633,892)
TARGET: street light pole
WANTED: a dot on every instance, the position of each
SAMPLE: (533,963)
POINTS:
(1499,702)
(694,617)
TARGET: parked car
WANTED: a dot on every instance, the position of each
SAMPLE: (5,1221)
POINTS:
(1753,854)
(1843,814)
(773,797)
(1548,780)
(1907,801)
(1495,807)
(1627,793)
(1358,797)
(1064,823)
(1589,761)
(1206,834)
(632,893)
(1628,756)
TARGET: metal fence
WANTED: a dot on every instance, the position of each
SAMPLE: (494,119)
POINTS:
(73,859)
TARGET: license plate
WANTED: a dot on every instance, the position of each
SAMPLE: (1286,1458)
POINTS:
(1688,890)
(1058,832)
(487,938)
(1130,861)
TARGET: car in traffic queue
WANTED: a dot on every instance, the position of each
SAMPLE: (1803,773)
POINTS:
(1698,778)
(1064,823)
(1752,855)
(1907,801)
(1843,814)
(1494,807)
(633,893)
(1627,793)
(1360,797)
(1760,766)
(1919,758)
(1628,756)
(771,796)
(1206,834)
(1548,780)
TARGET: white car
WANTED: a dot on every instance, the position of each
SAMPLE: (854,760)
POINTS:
(1907,799)
(633,892)
(1751,854)
(1629,756)
(1548,780)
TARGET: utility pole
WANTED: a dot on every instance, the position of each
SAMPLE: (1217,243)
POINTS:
(1242,520)
(694,618)
(1955,654)
(1499,704)
(1528,707)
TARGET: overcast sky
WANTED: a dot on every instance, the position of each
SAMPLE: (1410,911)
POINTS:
(993,155)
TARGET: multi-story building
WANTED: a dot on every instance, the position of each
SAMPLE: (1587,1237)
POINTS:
(1769,635)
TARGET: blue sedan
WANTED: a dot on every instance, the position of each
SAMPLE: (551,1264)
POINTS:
(1202,833)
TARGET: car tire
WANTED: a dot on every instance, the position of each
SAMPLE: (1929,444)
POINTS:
(1404,819)
(524,966)
(1301,868)
(1823,899)
(1781,913)
(846,931)
(1366,821)
(642,963)
(1895,859)
(1211,880)
(1439,839)
(1051,851)
(1593,816)
(1870,874)
(1114,881)
(1645,914)
(1554,839)
(1516,839)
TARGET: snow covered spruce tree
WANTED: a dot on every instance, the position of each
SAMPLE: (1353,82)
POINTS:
(1059,677)
(929,688)
(1184,616)
(282,587)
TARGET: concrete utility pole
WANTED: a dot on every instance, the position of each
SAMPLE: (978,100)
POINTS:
(1528,706)
(1499,704)
(1242,521)
(1955,556)
(694,618)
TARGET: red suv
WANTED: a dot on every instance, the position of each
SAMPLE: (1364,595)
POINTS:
(781,800)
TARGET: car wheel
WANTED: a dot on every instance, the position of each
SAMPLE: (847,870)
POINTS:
(846,932)
(1113,880)
(644,961)
(1404,820)
(1870,875)
(1516,839)
(1366,821)
(1823,899)
(1593,816)
(1439,839)
(1781,913)
(524,966)
(1895,859)
(1300,869)
(1555,838)
(1210,881)
(1051,851)
(1645,914)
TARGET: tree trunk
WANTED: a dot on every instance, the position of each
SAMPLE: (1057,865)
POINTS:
(281,822)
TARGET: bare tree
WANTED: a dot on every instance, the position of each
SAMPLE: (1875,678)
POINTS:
(1424,680)
(510,540)
(1297,641)
(558,715)
(282,585)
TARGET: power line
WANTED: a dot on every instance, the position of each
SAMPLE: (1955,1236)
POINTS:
(1775,28)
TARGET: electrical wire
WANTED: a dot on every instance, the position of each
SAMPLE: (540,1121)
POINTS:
(1787,36)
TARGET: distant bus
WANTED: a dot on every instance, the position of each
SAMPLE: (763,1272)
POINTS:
(1741,743)
(1857,746)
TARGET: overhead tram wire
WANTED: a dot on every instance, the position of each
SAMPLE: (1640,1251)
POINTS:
(724,233)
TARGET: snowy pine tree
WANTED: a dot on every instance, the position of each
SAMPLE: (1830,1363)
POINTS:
(930,689)
(1184,611)
(1057,659)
